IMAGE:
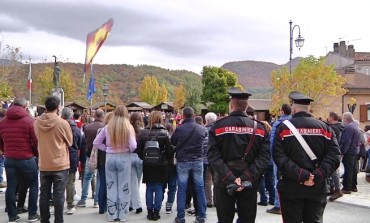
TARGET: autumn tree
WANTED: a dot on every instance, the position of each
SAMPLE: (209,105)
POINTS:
(216,81)
(10,64)
(43,84)
(193,93)
(163,94)
(149,90)
(180,97)
(311,77)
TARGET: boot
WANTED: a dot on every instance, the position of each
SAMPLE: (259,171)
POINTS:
(337,194)
(150,215)
(156,215)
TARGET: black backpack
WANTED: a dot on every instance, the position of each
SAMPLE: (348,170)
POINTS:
(152,154)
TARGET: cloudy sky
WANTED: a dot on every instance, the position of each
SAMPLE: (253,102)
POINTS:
(182,34)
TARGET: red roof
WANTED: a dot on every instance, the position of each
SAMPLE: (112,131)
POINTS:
(362,56)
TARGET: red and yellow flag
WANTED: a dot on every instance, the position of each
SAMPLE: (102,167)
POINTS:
(94,41)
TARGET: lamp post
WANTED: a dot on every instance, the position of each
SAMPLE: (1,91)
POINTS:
(298,42)
(105,93)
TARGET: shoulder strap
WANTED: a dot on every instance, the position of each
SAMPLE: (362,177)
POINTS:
(300,139)
(250,143)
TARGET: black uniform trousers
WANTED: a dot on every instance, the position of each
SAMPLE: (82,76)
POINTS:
(246,201)
(306,208)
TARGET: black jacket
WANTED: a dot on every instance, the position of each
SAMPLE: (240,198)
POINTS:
(76,145)
(191,150)
(337,128)
(228,139)
(155,174)
(292,160)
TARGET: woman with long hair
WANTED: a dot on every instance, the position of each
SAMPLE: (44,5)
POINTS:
(120,141)
(155,176)
(102,194)
(136,119)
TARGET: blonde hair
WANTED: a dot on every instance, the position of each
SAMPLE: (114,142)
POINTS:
(107,118)
(120,128)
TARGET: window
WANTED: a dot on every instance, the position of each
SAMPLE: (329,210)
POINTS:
(364,113)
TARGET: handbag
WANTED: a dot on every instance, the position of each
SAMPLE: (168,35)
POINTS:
(93,161)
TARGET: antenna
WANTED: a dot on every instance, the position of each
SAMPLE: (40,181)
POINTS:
(352,40)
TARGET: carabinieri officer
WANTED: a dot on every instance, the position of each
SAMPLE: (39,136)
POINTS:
(302,186)
(239,154)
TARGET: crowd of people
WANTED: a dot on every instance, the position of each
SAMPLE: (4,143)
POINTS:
(211,162)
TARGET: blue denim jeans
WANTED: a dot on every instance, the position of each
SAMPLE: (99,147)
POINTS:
(193,169)
(136,173)
(1,167)
(154,196)
(172,187)
(277,202)
(27,170)
(118,176)
(57,180)
(88,175)
(102,194)
(268,182)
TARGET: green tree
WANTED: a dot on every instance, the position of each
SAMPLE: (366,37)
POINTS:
(180,97)
(215,82)
(149,90)
(43,84)
(10,65)
(193,93)
(311,77)
(163,93)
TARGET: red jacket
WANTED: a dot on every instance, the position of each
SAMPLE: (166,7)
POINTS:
(17,135)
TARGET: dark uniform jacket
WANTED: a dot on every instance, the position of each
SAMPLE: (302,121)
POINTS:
(76,145)
(228,139)
(292,160)
(155,174)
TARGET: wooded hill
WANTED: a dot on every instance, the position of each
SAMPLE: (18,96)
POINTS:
(123,81)
(255,76)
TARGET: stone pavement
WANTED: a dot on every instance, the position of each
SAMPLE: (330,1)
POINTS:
(357,204)
(360,198)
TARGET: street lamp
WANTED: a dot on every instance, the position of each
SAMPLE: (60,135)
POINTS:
(298,42)
(105,93)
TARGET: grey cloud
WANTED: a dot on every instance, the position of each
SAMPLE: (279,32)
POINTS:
(131,28)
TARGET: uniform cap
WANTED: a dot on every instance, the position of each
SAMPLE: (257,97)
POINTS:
(236,93)
(299,98)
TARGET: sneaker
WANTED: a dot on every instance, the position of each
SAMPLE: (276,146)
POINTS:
(156,216)
(209,205)
(168,209)
(123,220)
(262,203)
(3,184)
(71,211)
(139,210)
(96,205)
(354,190)
(22,210)
(345,191)
(337,194)
(274,210)
(76,198)
(200,220)
(33,218)
(179,220)
(192,212)
(81,203)
(14,219)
